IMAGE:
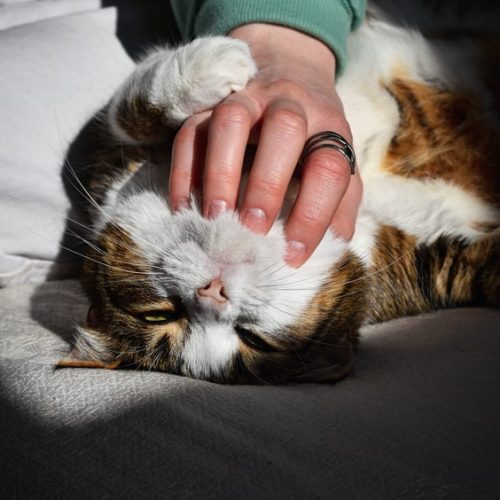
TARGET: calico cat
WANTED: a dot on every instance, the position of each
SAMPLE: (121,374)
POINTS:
(208,298)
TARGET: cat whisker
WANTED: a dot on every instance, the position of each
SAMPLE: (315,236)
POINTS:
(381,269)
(106,216)
(288,313)
(85,193)
(82,190)
(116,268)
(280,267)
(85,241)
(266,271)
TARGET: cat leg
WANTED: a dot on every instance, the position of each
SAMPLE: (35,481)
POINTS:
(171,84)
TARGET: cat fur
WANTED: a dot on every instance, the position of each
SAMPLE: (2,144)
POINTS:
(427,234)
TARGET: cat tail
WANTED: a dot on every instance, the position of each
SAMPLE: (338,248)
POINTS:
(449,272)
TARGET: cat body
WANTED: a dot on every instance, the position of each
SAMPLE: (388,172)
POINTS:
(427,234)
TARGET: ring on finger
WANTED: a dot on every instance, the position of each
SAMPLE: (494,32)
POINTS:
(329,140)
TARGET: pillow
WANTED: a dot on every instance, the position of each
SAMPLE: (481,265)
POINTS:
(55,75)
(29,12)
(7,2)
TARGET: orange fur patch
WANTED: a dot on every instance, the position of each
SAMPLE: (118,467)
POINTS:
(442,135)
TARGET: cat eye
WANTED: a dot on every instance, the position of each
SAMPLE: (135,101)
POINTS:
(159,317)
(253,340)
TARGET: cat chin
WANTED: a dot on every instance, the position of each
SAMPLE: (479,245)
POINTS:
(209,351)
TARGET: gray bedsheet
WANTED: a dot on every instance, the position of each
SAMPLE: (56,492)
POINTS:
(419,418)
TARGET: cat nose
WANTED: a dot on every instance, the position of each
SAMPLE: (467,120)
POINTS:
(214,290)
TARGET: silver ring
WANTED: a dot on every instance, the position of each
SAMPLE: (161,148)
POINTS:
(329,140)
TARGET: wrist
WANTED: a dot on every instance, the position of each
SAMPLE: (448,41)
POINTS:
(279,49)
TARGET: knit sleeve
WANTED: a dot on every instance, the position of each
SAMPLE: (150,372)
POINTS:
(328,20)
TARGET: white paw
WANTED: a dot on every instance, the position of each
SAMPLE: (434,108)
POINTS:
(209,69)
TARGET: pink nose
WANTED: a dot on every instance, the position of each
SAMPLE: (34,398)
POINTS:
(214,290)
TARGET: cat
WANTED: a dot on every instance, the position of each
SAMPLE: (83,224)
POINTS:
(427,234)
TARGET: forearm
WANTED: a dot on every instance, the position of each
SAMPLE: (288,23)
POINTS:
(328,21)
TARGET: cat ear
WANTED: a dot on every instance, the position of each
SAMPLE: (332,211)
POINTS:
(89,349)
(71,362)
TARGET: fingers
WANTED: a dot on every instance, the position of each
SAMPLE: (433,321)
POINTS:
(282,137)
(325,180)
(188,158)
(344,220)
(228,134)
(211,147)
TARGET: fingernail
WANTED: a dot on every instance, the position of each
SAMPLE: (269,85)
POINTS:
(254,218)
(295,252)
(183,204)
(217,207)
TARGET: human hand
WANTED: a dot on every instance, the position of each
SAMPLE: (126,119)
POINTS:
(292,98)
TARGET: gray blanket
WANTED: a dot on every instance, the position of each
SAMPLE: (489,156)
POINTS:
(417,419)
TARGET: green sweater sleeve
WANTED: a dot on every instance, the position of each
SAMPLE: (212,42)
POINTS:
(328,20)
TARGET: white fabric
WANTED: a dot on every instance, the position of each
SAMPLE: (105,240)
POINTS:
(8,2)
(29,12)
(54,75)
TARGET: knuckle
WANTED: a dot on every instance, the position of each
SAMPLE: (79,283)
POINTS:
(290,120)
(341,126)
(311,220)
(223,175)
(339,122)
(332,117)
(269,188)
(329,167)
(229,114)
(290,89)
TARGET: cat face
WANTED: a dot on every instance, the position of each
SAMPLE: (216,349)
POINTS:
(209,299)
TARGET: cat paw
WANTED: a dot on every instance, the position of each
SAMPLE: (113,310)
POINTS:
(206,71)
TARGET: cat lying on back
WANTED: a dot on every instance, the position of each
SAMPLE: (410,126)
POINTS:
(211,300)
